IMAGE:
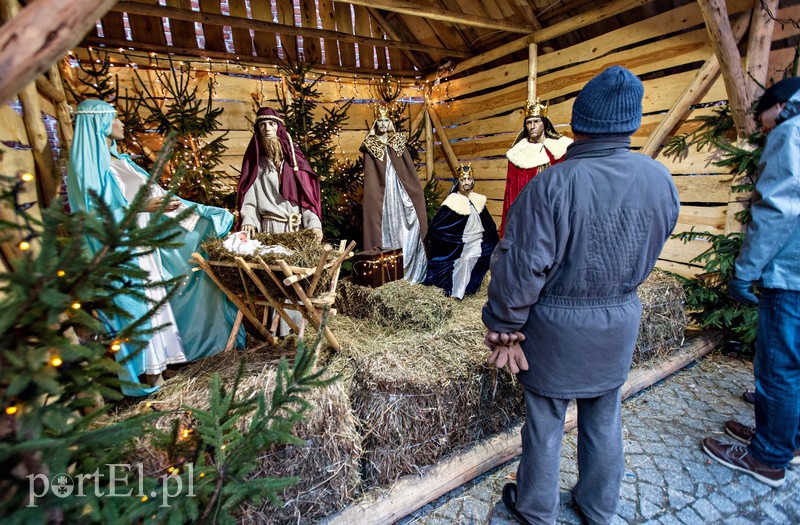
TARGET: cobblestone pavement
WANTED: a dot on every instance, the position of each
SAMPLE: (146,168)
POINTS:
(668,479)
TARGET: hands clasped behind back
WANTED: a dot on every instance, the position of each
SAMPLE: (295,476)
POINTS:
(506,350)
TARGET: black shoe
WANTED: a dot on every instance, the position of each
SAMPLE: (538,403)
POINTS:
(510,501)
(749,396)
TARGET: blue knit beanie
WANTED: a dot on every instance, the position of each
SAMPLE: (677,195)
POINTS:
(609,104)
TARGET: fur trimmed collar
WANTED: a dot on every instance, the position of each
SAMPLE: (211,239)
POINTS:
(460,204)
(528,155)
(373,145)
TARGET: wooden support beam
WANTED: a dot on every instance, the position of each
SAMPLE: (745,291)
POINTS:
(715,14)
(47,89)
(46,182)
(271,27)
(39,35)
(442,15)
(412,492)
(532,66)
(699,85)
(548,33)
(452,160)
(63,115)
(430,156)
(758,47)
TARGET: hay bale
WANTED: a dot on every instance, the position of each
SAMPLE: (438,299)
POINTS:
(306,252)
(663,317)
(327,463)
(395,304)
(421,394)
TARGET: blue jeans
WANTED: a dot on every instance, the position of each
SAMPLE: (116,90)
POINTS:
(777,375)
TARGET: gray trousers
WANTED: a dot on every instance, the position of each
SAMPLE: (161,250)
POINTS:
(600,457)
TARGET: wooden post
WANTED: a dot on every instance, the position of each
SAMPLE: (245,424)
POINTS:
(37,37)
(715,14)
(46,184)
(758,46)
(429,153)
(62,110)
(452,160)
(532,66)
(701,82)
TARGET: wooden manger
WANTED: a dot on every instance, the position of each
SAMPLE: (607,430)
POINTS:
(287,293)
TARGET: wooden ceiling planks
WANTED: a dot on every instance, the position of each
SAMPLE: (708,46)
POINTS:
(311,45)
(289,43)
(242,42)
(147,28)
(113,26)
(363,28)
(264,42)
(344,24)
(328,20)
(182,32)
(214,35)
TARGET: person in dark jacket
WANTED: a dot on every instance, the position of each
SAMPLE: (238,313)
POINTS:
(770,256)
(461,238)
(562,309)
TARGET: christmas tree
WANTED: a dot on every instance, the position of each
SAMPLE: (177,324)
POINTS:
(58,368)
(340,180)
(194,120)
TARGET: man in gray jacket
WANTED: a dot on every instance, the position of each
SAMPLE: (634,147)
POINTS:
(770,255)
(562,308)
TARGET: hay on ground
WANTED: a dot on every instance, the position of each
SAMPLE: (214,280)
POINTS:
(327,463)
(396,304)
(418,393)
(663,317)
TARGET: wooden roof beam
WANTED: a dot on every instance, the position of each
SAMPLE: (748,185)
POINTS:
(443,15)
(271,27)
(391,33)
(538,37)
(244,60)
(39,35)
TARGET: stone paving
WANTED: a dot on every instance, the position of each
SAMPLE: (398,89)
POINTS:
(668,479)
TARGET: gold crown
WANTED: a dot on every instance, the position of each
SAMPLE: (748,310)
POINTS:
(463,171)
(381,111)
(536,109)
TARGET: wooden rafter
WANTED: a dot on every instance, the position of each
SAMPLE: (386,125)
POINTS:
(392,33)
(271,27)
(758,46)
(548,33)
(217,55)
(443,15)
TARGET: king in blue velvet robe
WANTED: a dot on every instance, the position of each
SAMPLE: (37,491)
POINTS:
(453,236)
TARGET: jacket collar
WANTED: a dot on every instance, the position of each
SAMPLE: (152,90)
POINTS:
(598,147)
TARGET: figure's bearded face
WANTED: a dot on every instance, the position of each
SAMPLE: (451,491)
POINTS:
(272,149)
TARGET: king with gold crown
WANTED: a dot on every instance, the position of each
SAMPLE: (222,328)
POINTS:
(395,215)
(537,147)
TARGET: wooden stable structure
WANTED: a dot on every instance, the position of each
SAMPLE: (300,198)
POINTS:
(310,302)
(465,70)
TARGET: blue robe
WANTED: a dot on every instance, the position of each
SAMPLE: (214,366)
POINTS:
(444,242)
(203,315)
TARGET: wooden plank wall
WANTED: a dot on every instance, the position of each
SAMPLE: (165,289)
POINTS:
(481,113)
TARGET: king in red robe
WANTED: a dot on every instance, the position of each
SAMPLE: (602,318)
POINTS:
(537,147)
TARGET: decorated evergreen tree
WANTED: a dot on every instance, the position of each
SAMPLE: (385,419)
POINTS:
(339,180)
(194,120)
(57,368)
